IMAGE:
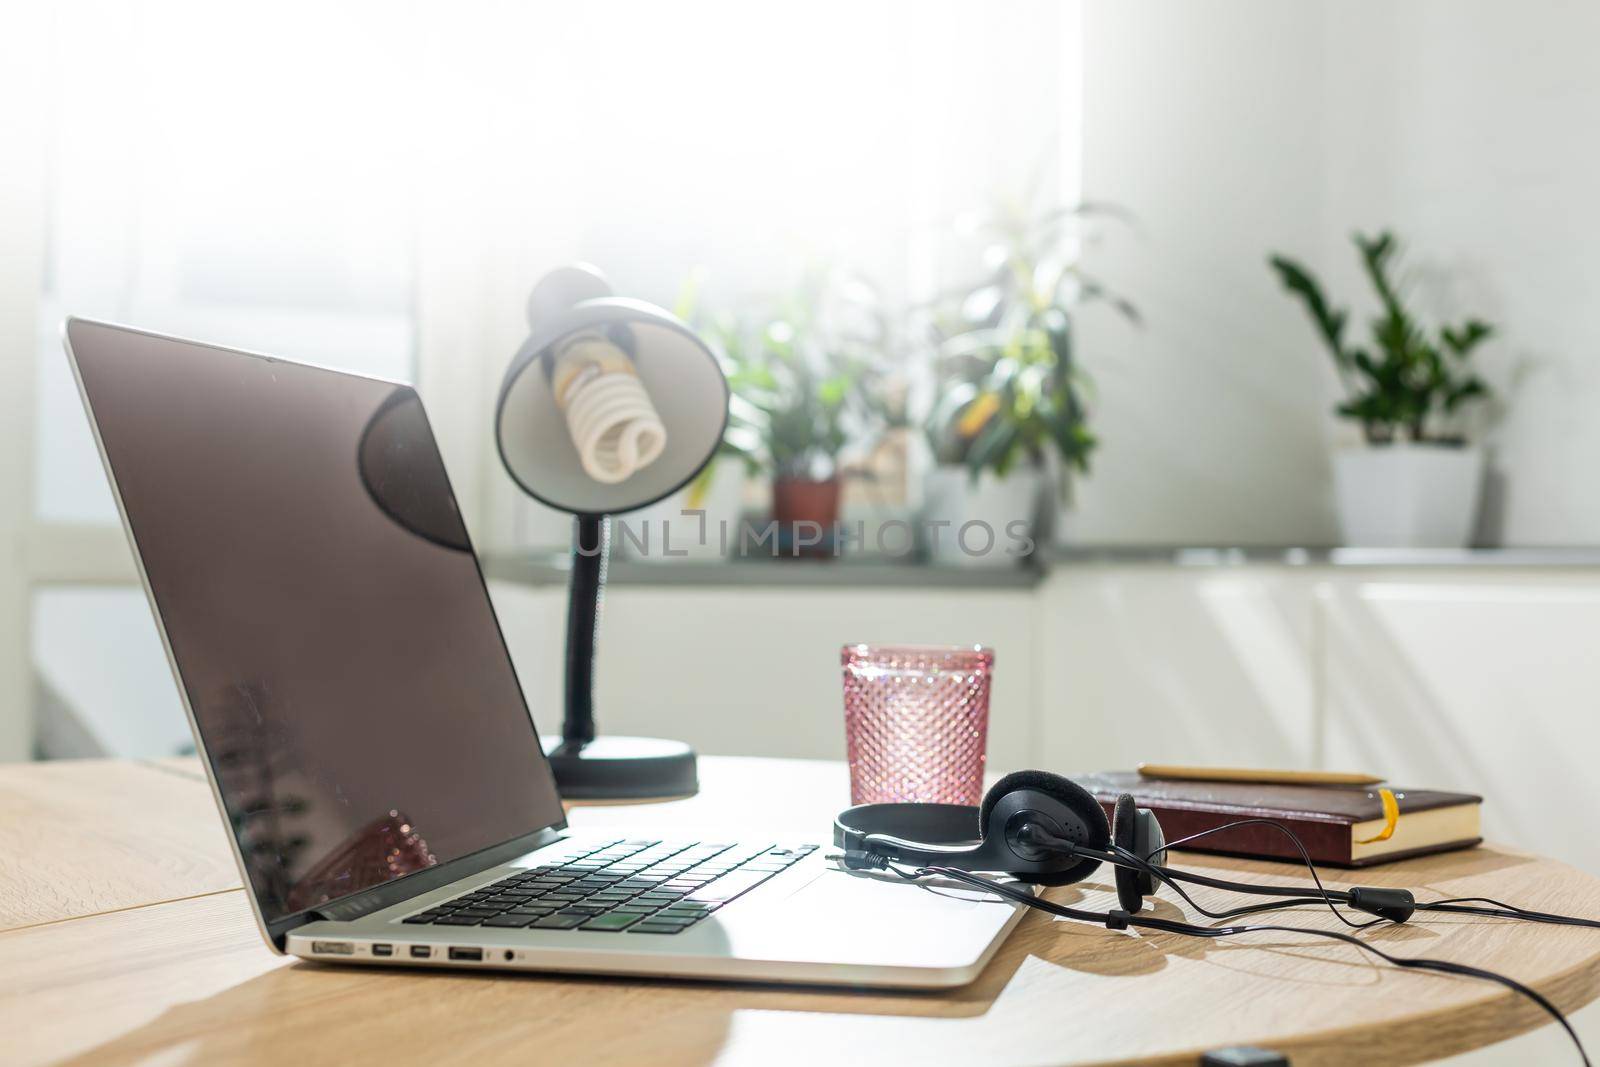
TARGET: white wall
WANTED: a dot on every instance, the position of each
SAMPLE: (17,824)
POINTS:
(1152,663)
(1238,127)
(1484,683)
(756,671)
(1199,118)
(1469,126)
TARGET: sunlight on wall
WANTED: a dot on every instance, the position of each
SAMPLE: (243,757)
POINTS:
(1265,629)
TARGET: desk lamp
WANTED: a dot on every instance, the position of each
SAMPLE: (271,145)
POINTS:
(610,405)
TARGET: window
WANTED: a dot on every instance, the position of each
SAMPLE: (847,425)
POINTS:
(256,196)
(219,193)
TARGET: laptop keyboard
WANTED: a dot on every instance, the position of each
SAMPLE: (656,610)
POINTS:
(638,887)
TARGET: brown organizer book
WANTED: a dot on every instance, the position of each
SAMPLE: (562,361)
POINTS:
(1329,819)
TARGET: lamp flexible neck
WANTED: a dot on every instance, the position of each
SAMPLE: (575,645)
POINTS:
(591,546)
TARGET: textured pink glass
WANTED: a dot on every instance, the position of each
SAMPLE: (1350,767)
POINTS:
(916,721)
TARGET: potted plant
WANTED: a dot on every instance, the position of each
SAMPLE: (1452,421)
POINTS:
(805,375)
(1010,400)
(1414,484)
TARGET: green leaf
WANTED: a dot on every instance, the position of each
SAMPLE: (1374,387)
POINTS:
(832,391)
(1329,321)
(1462,342)
(1471,389)
(1375,255)
(993,446)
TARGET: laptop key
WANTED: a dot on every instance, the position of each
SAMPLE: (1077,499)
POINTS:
(651,926)
(682,920)
(664,917)
(611,921)
(510,920)
(559,921)
(690,907)
(458,920)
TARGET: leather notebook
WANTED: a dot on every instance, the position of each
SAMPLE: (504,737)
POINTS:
(1331,820)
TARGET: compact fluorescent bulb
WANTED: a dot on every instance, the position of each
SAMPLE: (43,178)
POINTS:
(613,424)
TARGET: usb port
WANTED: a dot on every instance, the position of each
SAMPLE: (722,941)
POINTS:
(333,948)
(383,950)
(459,953)
(421,952)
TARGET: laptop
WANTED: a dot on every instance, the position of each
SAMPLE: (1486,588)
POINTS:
(366,736)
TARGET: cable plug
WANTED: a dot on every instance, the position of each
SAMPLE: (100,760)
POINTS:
(1396,905)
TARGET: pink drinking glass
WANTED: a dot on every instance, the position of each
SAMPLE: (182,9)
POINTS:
(916,721)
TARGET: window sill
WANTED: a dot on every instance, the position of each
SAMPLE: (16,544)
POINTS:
(552,567)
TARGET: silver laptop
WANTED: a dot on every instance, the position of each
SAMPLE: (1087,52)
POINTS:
(364,732)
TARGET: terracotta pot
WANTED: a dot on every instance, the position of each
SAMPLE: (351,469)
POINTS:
(801,500)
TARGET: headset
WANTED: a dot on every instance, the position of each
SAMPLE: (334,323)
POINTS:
(1046,830)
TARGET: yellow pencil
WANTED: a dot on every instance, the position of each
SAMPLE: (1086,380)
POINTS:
(1248,774)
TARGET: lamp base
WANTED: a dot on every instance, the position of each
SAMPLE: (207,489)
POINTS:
(622,768)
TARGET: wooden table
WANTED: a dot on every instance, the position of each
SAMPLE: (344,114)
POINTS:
(127,940)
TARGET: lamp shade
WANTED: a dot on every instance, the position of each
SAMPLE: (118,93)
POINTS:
(680,375)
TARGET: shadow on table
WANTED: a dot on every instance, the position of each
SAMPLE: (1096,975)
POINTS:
(329,1014)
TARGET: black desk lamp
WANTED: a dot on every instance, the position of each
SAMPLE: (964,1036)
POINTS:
(610,405)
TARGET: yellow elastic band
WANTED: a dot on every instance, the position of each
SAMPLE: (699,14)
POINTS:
(1391,818)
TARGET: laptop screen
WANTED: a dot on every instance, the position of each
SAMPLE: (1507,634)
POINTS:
(325,611)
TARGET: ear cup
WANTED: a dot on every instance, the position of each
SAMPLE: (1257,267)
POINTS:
(1132,885)
(1152,841)
(1078,803)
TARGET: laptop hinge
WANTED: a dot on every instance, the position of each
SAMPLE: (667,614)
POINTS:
(388,894)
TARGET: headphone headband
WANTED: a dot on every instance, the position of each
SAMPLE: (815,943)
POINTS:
(934,824)
(983,838)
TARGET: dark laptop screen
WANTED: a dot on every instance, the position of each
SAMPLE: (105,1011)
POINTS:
(325,610)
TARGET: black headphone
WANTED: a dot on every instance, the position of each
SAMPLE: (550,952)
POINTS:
(1043,829)
(1014,831)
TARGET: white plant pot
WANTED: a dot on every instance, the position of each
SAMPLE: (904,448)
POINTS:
(1408,496)
(987,524)
(664,533)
